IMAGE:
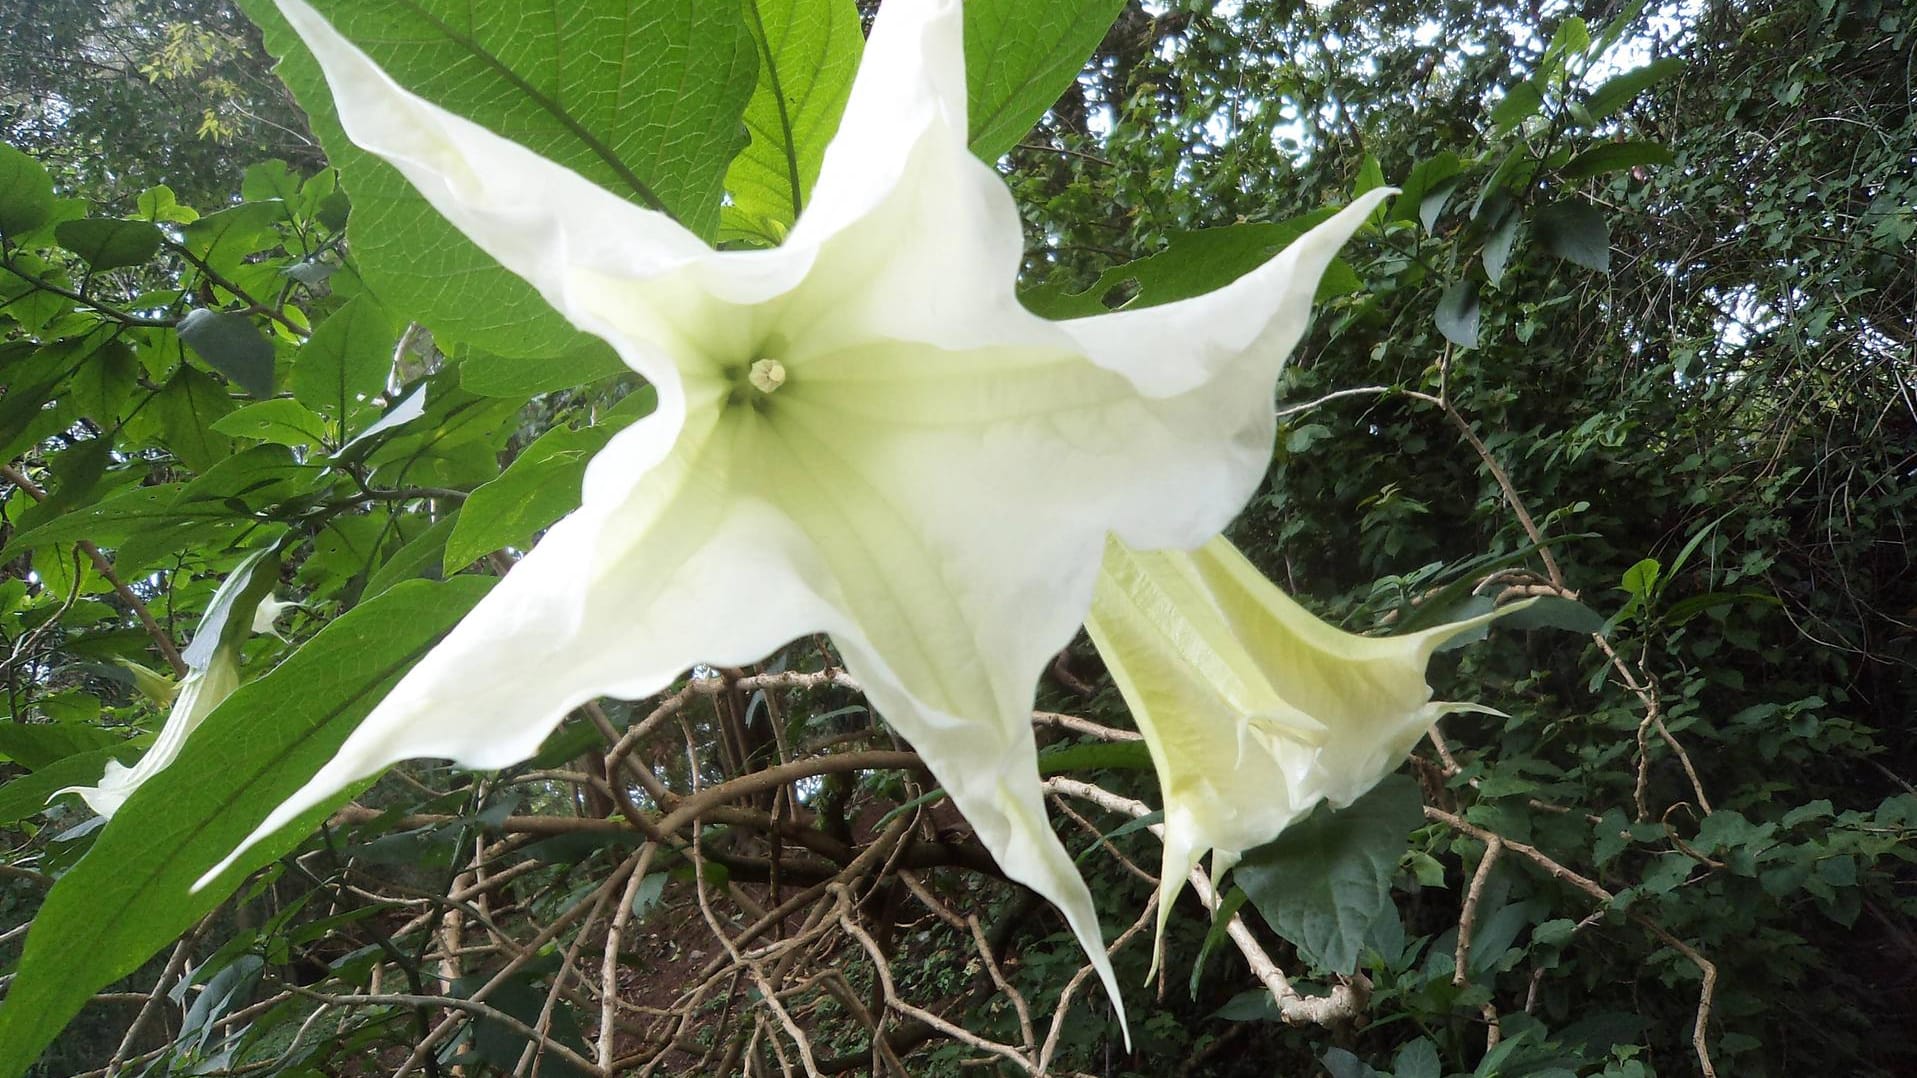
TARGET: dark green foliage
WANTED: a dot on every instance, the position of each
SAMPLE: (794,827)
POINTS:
(1650,276)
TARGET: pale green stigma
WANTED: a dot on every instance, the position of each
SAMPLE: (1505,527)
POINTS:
(766,375)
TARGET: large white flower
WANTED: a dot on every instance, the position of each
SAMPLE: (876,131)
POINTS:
(860,432)
(1254,709)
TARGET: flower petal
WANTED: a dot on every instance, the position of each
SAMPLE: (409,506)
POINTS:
(917,239)
(213,673)
(1332,713)
(1256,320)
(947,628)
(199,693)
(539,219)
(911,77)
(617,599)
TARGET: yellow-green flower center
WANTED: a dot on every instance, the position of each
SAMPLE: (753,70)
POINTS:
(766,375)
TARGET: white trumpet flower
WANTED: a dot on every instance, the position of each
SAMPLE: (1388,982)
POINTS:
(1253,708)
(213,672)
(860,432)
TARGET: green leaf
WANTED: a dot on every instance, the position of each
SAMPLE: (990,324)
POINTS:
(490,375)
(1019,57)
(1621,90)
(1428,177)
(1221,918)
(1554,612)
(1615,157)
(1340,1063)
(35,745)
(186,410)
(540,486)
(1572,38)
(1193,263)
(1640,580)
(1417,1059)
(1496,254)
(1691,606)
(222,240)
(108,242)
(1519,104)
(343,365)
(128,897)
(281,422)
(1457,314)
(808,53)
(270,179)
(26,796)
(103,521)
(1575,231)
(423,556)
(1099,755)
(26,192)
(1370,176)
(158,203)
(643,97)
(1326,881)
(233,345)
(33,379)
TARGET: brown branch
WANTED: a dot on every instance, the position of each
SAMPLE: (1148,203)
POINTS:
(1707,970)
(161,639)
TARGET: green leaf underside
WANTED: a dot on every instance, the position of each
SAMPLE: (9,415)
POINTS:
(809,52)
(1019,57)
(128,897)
(186,411)
(1192,264)
(641,96)
(109,243)
(1575,231)
(489,375)
(1325,881)
(1621,90)
(1614,157)
(343,366)
(233,345)
(1457,314)
(26,192)
(37,745)
(540,486)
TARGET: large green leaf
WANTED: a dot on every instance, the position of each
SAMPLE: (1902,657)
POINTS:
(808,52)
(224,239)
(26,192)
(641,96)
(128,897)
(35,745)
(540,486)
(186,411)
(33,378)
(1621,90)
(489,375)
(1326,881)
(1576,231)
(109,242)
(343,366)
(1020,56)
(1191,264)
